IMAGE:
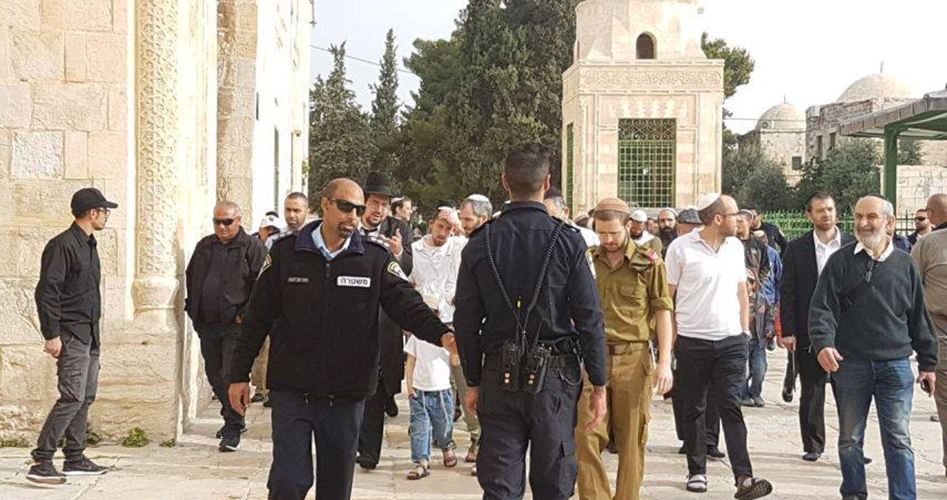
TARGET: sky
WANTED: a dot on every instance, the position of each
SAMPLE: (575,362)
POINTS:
(806,51)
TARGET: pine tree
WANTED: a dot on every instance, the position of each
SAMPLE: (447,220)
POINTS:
(339,130)
(385,106)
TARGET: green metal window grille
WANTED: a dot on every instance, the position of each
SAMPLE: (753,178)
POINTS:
(646,161)
(570,165)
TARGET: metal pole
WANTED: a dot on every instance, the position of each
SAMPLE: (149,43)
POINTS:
(890,185)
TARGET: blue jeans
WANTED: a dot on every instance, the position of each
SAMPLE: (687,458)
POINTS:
(891,384)
(432,413)
(757,369)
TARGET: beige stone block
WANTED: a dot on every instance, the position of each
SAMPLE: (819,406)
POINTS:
(9,248)
(6,148)
(108,155)
(6,52)
(85,15)
(20,325)
(22,419)
(120,16)
(76,59)
(21,14)
(118,108)
(38,56)
(76,155)
(27,373)
(107,57)
(41,207)
(142,372)
(113,418)
(37,155)
(77,106)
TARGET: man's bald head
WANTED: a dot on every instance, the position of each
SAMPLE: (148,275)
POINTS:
(937,209)
(335,187)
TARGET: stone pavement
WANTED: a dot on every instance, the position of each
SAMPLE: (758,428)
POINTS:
(195,470)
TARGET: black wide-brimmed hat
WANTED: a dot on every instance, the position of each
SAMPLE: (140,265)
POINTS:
(377,184)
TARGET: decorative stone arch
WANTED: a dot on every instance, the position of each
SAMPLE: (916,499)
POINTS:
(646,46)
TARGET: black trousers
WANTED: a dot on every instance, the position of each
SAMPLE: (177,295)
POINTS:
(712,418)
(372,431)
(713,370)
(334,424)
(217,345)
(811,400)
(544,423)
(78,371)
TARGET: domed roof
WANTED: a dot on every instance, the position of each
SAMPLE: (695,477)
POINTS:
(876,86)
(783,116)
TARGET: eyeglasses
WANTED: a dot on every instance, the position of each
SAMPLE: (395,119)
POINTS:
(223,222)
(348,206)
(920,219)
(103,210)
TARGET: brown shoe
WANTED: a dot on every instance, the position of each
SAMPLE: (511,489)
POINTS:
(472,452)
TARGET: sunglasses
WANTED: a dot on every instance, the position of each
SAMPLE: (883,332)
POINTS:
(920,219)
(348,206)
(223,222)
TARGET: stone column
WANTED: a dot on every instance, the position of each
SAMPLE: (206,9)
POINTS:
(158,166)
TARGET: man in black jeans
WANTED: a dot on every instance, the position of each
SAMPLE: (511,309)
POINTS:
(69,307)
(220,277)
(708,278)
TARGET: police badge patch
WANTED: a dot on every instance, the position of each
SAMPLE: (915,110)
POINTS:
(395,269)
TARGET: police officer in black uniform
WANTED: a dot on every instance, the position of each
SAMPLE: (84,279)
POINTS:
(318,297)
(562,316)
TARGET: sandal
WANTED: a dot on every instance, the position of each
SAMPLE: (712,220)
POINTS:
(697,483)
(450,459)
(750,488)
(420,471)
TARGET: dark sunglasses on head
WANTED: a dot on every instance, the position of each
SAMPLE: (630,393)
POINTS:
(920,219)
(348,206)
(223,222)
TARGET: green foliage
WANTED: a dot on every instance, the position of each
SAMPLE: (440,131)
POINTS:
(737,63)
(340,144)
(384,116)
(169,443)
(849,171)
(755,178)
(909,152)
(136,438)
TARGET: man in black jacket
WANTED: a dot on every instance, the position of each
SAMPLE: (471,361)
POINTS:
(69,306)
(803,261)
(318,299)
(395,234)
(220,276)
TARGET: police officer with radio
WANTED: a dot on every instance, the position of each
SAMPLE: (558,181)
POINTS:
(527,312)
(317,297)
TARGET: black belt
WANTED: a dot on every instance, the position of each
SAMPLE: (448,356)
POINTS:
(492,361)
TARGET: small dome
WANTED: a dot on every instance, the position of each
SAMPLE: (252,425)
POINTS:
(782,117)
(876,86)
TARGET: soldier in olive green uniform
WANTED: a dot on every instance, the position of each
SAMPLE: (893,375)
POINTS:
(632,284)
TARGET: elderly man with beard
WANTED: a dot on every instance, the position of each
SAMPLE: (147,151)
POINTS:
(866,319)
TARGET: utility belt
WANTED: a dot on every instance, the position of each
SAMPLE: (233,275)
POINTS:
(627,348)
(526,372)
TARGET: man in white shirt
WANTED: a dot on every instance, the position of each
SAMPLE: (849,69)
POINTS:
(638,231)
(707,277)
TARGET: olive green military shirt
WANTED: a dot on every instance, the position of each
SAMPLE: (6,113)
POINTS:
(631,292)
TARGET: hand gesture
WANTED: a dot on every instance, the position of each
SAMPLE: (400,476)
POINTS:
(789,343)
(53,347)
(928,379)
(395,242)
(239,395)
(829,358)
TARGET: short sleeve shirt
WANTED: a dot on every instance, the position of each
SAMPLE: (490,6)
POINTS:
(707,282)
(431,367)
(631,292)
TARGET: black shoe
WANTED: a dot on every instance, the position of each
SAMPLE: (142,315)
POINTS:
(365,463)
(748,402)
(457,414)
(83,467)
(749,488)
(220,432)
(714,452)
(787,394)
(812,456)
(868,460)
(612,447)
(391,408)
(758,402)
(45,473)
(229,443)
(770,344)
(682,450)
(266,402)
(257,398)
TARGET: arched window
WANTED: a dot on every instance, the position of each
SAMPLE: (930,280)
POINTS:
(645,46)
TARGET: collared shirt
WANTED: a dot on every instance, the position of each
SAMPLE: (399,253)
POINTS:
(930,254)
(435,274)
(631,292)
(67,294)
(707,281)
(321,245)
(825,250)
(884,254)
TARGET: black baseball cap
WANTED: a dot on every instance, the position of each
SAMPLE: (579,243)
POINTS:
(89,198)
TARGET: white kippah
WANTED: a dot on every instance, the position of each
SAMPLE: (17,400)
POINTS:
(478,198)
(707,200)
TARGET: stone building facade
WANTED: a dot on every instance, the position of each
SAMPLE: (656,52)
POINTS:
(642,106)
(781,133)
(155,103)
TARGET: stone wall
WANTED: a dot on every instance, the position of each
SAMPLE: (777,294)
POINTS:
(916,183)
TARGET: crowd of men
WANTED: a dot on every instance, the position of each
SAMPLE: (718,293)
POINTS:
(547,334)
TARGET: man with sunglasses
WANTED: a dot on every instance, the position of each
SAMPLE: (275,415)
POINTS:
(378,225)
(69,306)
(318,298)
(922,226)
(219,277)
